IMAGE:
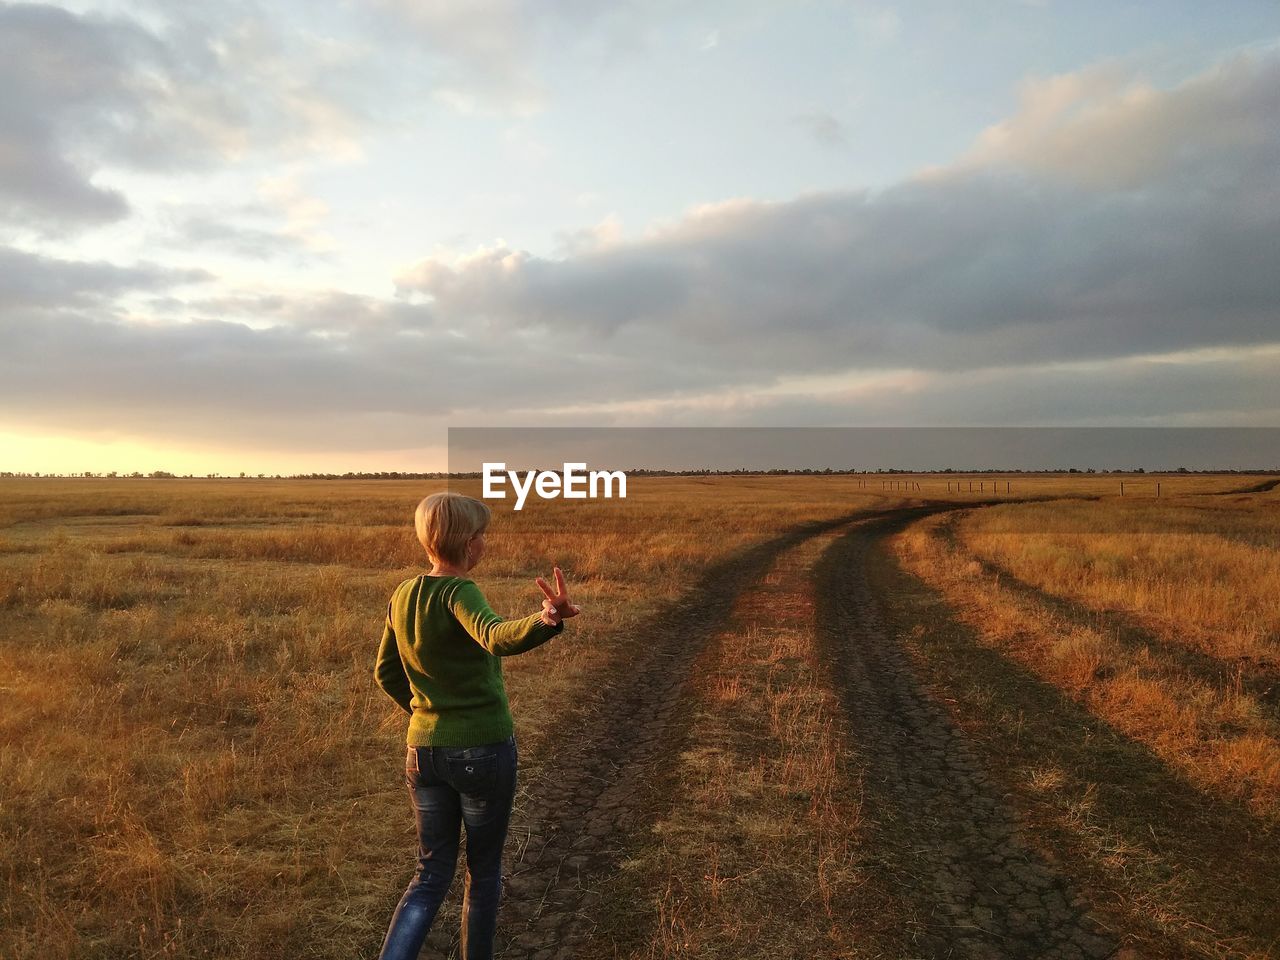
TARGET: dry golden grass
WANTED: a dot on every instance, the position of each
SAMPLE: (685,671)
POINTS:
(195,759)
(1201,572)
(1220,736)
(1154,786)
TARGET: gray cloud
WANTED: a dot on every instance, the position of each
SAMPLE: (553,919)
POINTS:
(61,73)
(31,281)
(382,383)
(245,230)
(216,231)
(1227,391)
(85,92)
(399,384)
(825,129)
(226,359)
(959,267)
(339,315)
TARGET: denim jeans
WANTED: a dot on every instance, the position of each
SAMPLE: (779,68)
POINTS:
(450,787)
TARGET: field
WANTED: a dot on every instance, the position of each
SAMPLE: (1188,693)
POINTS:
(799,717)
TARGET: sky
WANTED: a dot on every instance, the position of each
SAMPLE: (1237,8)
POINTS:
(312,236)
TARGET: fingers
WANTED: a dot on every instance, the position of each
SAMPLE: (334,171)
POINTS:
(561,591)
(557,601)
(550,615)
(553,612)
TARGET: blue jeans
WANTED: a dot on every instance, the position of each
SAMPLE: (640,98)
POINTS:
(449,787)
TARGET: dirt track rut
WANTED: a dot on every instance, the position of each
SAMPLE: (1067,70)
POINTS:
(947,839)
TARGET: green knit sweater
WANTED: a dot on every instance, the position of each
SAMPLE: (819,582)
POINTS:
(440,659)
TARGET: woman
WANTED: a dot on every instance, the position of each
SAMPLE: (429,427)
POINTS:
(440,659)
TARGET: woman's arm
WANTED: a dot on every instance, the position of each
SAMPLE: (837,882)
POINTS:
(389,670)
(502,638)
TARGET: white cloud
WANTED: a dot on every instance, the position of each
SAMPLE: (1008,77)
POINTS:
(303,213)
(1104,128)
(607,233)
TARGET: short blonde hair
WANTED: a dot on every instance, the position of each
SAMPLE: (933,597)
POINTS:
(446,521)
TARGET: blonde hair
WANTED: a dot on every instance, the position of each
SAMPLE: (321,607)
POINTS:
(446,521)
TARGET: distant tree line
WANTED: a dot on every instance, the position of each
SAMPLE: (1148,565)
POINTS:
(638,472)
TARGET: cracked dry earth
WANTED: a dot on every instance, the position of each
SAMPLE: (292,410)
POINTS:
(944,839)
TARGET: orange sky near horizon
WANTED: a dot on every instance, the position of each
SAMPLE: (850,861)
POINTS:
(24,453)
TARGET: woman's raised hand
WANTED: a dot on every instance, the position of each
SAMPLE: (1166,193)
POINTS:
(556,606)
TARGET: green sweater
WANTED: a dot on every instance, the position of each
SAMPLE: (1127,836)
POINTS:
(440,659)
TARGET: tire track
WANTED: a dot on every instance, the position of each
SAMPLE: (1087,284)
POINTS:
(1262,487)
(946,838)
(595,786)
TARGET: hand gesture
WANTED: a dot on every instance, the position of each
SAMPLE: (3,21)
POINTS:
(556,606)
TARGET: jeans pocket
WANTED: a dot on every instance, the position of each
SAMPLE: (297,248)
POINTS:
(474,774)
(411,767)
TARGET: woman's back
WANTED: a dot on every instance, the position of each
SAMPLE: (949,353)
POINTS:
(441,660)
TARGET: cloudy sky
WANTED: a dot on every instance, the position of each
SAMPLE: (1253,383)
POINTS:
(298,236)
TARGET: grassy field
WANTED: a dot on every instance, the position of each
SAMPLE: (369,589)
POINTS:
(195,758)
(1125,686)
(196,762)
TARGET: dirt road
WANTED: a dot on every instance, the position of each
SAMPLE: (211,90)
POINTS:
(946,841)
(587,797)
